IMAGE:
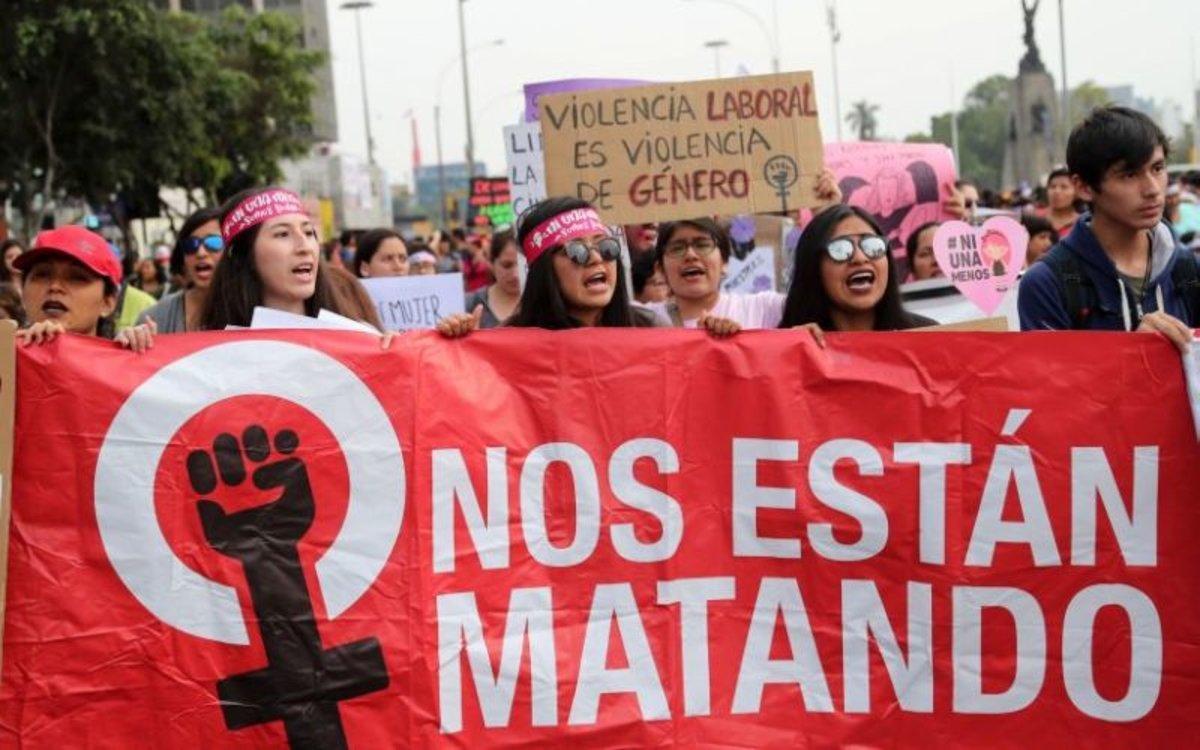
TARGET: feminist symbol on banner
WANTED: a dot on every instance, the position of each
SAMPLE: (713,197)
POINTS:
(302,683)
(781,172)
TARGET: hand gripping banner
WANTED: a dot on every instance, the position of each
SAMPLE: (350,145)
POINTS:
(603,539)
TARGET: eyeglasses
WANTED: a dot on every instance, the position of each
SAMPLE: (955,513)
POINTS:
(679,248)
(580,252)
(841,249)
(211,242)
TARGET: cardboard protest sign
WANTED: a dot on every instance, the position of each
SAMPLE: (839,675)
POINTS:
(900,184)
(606,538)
(533,91)
(526,167)
(490,202)
(980,325)
(982,262)
(653,153)
(408,303)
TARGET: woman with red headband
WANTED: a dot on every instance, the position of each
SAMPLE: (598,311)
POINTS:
(575,278)
(69,285)
(272,259)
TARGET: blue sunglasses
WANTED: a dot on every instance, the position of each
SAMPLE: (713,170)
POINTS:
(211,242)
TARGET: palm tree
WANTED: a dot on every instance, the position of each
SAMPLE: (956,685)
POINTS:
(862,119)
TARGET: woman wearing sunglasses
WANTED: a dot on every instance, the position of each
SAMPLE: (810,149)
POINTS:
(574,278)
(198,248)
(845,278)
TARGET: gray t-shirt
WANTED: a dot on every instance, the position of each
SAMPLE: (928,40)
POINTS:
(168,314)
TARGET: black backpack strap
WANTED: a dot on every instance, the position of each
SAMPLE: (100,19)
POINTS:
(1186,279)
(1078,291)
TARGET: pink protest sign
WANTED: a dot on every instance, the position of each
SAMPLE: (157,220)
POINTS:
(900,184)
(535,90)
(983,262)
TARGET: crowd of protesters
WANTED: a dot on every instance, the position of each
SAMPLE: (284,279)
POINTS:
(1108,249)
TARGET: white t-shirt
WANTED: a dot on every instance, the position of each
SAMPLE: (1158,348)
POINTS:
(750,311)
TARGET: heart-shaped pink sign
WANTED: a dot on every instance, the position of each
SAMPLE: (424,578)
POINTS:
(983,262)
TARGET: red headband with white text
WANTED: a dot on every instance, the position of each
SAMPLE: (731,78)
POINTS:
(258,208)
(557,230)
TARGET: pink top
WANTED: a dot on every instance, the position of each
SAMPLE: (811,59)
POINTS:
(750,311)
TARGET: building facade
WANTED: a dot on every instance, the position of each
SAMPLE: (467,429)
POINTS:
(313,18)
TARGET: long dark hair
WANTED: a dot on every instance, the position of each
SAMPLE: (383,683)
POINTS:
(190,224)
(237,288)
(808,302)
(6,276)
(542,304)
(368,245)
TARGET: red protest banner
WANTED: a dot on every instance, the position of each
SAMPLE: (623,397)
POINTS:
(614,539)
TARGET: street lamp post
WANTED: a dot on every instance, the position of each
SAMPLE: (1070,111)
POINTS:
(437,130)
(356,6)
(1065,116)
(437,121)
(462,45)
(715,45)
(835,36)
(772,38)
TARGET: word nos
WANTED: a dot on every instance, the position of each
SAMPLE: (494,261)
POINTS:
(530,635)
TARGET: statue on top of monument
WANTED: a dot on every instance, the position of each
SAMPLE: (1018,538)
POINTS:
(1032,61)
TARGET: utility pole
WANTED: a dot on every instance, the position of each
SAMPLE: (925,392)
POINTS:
(835,36)
(462,45)
(356,6)
(437,127)
(1065,116)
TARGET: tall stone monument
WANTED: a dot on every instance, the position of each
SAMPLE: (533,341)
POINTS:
(1033,114)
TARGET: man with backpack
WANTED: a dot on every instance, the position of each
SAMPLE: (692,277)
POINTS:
(1120,268)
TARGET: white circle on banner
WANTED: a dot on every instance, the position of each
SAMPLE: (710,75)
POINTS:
(158,408)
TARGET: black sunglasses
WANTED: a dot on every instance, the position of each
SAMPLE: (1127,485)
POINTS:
(580,252)
(211,242)
(841,249)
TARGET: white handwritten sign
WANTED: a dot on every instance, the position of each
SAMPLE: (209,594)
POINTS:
(526,168)
(407,303)
(754,273)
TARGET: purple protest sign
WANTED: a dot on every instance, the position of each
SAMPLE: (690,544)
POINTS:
(535,90)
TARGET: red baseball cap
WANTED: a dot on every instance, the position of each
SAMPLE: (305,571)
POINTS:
(77,243)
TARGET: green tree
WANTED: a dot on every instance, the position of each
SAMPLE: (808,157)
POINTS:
(982,131)
(863,119)
(109,99)
(258,101)
(83,85)
(1083,99)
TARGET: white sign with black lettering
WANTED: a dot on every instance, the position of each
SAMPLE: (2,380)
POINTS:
(407,303)
(526,167)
